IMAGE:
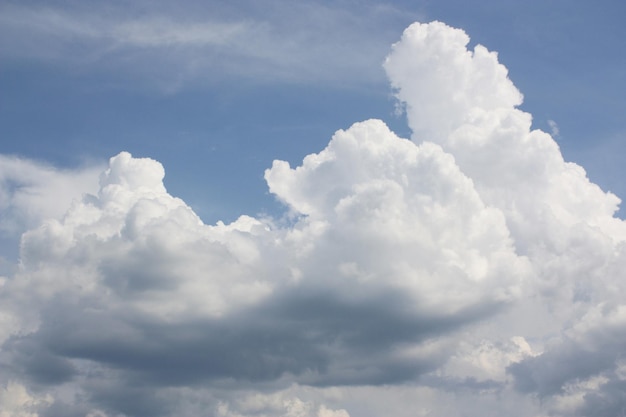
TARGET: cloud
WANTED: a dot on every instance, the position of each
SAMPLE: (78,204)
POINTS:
(385,198)
(32,191)
(334,299)
(554,128)
(282,403)
(16,401)
(205,42)
(583,368)
(557,217)
(464,269)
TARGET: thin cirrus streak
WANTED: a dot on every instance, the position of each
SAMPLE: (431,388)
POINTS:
(179,52)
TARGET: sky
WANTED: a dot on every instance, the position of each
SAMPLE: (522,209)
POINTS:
(312,209)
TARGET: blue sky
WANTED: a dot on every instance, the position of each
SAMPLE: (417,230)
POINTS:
(312,209)
(217,115)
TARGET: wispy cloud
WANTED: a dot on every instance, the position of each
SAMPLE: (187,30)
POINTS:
(280,42)
(554,128)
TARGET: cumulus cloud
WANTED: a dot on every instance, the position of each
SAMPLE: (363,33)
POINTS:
(561,221)
(31,192)
(469,267)
(395,205)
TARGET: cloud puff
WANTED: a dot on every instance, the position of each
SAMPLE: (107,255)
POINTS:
(464,101)
(31,192)
(469,262)
(383,210)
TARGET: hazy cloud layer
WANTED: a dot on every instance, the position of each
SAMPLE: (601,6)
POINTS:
(469,270)
(207,43)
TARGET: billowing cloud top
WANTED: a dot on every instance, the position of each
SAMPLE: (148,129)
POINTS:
(470,266)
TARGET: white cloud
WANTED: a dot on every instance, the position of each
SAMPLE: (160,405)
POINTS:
(389,208)
(557,217)
(129,227)
(454,87)
(16,401)
(31,192)
(470,270)
(464,101)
